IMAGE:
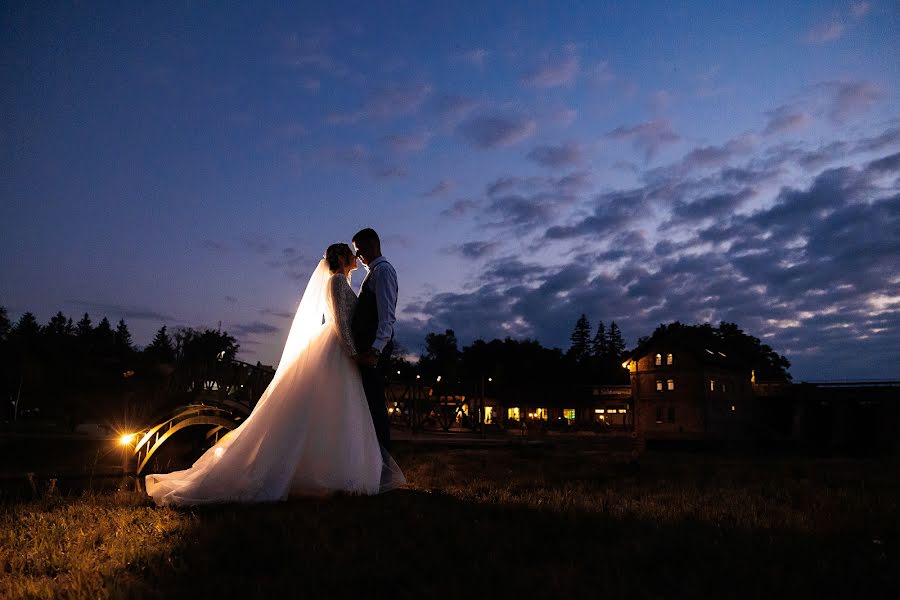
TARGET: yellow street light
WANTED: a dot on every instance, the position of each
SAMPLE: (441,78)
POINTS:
(126,439)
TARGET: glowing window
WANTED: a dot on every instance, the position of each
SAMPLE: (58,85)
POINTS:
(569,414)
(513,413)
(488,414)
(659,386)
(723,386)
(670,384)
(658,359)
(540,413)
(670,359)
(712,385)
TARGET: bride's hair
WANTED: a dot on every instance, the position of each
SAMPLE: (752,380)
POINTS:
(335,253)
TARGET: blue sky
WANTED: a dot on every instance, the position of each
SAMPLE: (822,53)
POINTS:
(639,162)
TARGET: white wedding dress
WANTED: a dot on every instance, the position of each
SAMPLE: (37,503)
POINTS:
(311,432)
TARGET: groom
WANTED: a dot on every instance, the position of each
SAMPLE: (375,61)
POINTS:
(373,326)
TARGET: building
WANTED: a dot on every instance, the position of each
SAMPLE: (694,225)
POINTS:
(684,392)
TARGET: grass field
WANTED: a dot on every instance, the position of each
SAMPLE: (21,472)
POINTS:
(528,522)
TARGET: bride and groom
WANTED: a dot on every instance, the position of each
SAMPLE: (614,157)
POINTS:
(321,425)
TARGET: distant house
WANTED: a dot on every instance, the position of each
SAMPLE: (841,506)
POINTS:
(683,392)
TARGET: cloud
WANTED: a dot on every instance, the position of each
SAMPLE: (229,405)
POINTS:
(253,328)
(453,108)
(714,156)
(412,142)
(123,311)
(441,187)
(497,131)
(231,299)
(566,154)
(475,250)
(275,313)
(849,98)
(358,157)
(554,72)
(648,137)
(475,57)
(294,263)
(785,119)
(215,245)
(385,102)
(860,9)
(461,208)
(612,212)
(825,32)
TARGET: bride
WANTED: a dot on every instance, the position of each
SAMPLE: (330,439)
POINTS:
(311,432)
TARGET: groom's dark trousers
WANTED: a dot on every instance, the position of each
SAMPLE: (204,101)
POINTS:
(373,380)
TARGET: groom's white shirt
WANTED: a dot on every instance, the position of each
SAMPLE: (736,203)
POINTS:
(385,280)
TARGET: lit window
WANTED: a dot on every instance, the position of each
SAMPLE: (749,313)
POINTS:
(599,411)
(569,414)
(733,408)
(723,387)
(513,413)
(671,416)
(712,385)
(659,387)
(540,413)
(488,414)
(658,359)
(669,359)
(670,384)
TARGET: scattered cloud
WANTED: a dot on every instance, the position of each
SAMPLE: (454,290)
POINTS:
(410,142)
(849,98)
(563,155)
(123,311)
(825,32)
(476,250)
(441,187)
(385,102)
(554,71)
(461,208)
(497,131)
(648,137)
(240,330)
(785,119)
(475,57)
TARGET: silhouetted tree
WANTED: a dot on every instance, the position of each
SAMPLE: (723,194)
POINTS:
(599,345)
(104,338)
(442,357)
(161,348)
(27,330)
(59,327)
(581,340)
(122,338)
(5,324)
(615,343)
(84,329)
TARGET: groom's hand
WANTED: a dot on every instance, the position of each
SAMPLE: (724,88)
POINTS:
(367,358)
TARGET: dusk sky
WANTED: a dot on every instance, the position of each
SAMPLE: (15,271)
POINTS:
(182,164)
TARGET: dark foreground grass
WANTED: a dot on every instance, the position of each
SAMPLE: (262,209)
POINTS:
(560,521)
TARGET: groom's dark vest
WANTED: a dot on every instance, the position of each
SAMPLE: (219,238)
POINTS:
(364,324)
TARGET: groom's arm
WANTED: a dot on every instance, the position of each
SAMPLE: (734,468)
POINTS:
(386,301)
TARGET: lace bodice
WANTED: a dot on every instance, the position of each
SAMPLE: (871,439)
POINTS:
(342,302)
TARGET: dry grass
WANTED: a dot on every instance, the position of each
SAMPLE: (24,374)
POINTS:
(527,522)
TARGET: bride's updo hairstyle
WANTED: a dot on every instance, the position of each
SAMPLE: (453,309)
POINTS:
(337,256)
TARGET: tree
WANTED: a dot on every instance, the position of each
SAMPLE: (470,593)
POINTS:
(104,338)
(59,326)
(84,329)
(615,342)
(122,338)
(599,345)
(581,340)
(441,357)
(161,347)
(5,324)
(27,327)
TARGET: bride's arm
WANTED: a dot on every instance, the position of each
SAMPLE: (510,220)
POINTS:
(342,303)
